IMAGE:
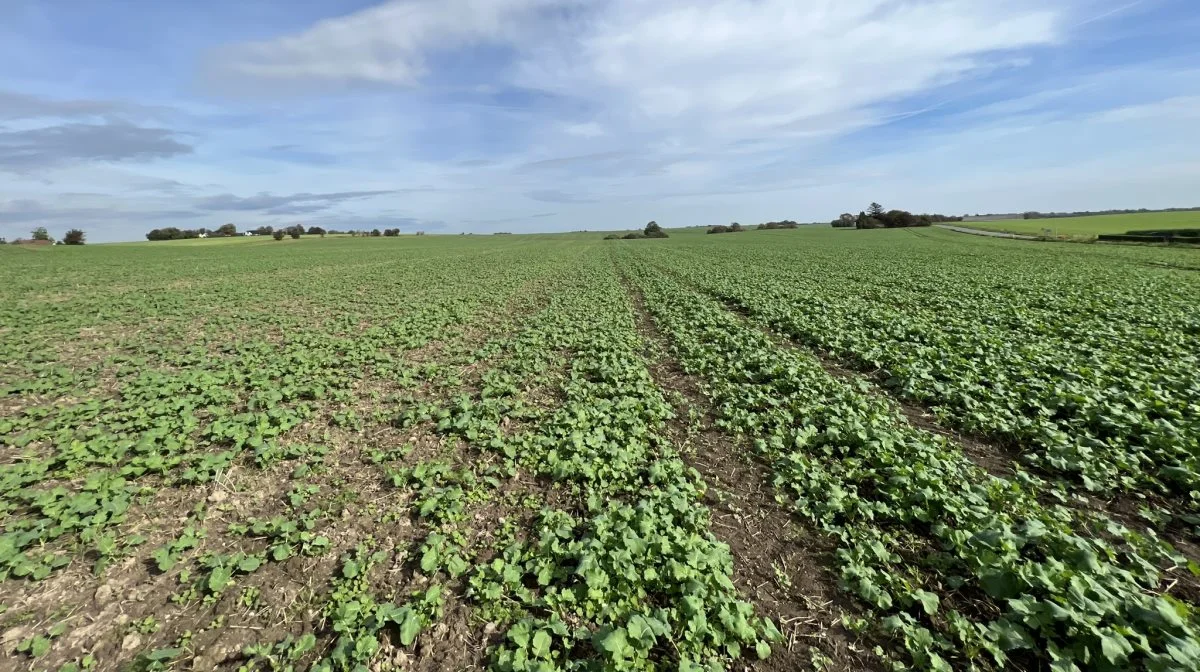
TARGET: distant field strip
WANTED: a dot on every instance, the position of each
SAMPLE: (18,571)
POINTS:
(1092,226)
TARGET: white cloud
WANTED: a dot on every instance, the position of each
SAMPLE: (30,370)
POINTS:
(700,111)
(589,129)
(385,44)
(39,148)
(739,67)
(728,68)
(1179,107)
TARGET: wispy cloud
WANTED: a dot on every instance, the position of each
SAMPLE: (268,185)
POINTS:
(291,204)
(1110,12)
(557,196)
(562,162)
(386,44)
(56,145)
(15,105)
(22,211)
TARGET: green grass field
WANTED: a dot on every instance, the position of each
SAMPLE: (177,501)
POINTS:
(1090,227)
(773,450)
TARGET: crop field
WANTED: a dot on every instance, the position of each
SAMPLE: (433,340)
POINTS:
(1095,225)
(772,450)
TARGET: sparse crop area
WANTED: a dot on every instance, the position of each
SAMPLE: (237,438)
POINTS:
(805,448)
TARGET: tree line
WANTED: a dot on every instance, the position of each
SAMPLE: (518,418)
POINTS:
(765,226)
(295,231)
(229,230)
(41,234)
(732,228)
(651,230)
(875,217)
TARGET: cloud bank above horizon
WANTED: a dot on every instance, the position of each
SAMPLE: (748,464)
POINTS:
(545,115)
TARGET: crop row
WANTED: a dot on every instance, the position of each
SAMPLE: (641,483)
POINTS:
(617,568)
(1088,367)
(963,570)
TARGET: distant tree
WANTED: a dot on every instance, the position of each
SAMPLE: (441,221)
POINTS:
(653,230)
(718,229)
(295,231)
(892,219)
(613,236)
(898,219)
(927,220)
(845,220)
(875,210)
(3,240)
(74,237)
(40,233)
(227,230)
(264,231)
(736,228)
(278,235)
(375,233)
(636,235)
(315,231)
(865,222)
(171,233)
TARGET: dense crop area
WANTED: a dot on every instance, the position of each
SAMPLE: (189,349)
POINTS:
(452,453)
(1087,368)
(1088,227)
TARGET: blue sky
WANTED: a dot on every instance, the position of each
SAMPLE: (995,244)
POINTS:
(547,115)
